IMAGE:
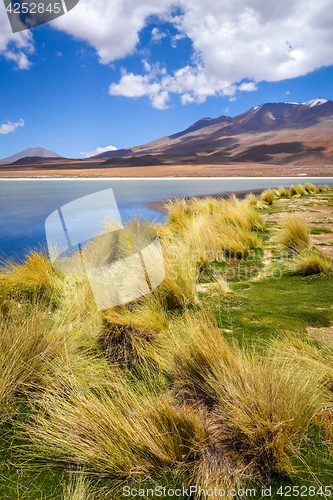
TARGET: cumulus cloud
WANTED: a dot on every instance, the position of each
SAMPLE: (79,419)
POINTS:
(111,26)
(248,87)
(191,83)
(98,151)
(8,127)
(251,40)
(157,35)
(14,47)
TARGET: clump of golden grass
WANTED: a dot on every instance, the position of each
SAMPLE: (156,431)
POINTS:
(282,191)
(300,190)
(258,409)
(35,277)
(310,188)
(294,234)
(133,335)
(311,262)
(320,189)
(251,199)
(304,354)
(179,213)
(31,353)
(268,196)
(110,431)
(181,271)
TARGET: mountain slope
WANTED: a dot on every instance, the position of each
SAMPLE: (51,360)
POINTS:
(276,133)
(39,152)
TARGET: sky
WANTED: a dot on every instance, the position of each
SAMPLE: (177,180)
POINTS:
(119,73)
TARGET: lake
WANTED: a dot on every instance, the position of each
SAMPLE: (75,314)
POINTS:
(26,203)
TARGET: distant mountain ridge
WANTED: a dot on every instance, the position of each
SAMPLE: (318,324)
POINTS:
(270,133)
(284,133)
(39,152)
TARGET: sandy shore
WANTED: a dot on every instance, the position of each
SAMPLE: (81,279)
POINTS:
(231,170)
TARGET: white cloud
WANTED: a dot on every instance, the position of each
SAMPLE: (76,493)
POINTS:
(234,41)
(157,35)
(192,84)
(14,46)
(98,151)
(8,127)
(175,38)
(111,26)
(248,87)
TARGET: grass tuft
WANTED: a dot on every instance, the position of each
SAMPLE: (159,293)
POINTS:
(294,235)
(310,263)
(268,196)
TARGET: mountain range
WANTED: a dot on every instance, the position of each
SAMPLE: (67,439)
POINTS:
(282,134)
(275,133)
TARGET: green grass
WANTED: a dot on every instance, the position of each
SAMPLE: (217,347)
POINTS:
(320,230)
(263,310)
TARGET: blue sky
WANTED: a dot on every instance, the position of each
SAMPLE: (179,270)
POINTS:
(125,73)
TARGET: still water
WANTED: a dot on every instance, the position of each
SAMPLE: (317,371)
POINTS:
(26,203)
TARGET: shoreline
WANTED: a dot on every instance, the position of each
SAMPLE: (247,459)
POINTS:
(167,171)
(160,205)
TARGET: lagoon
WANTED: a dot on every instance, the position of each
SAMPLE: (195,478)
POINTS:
(26,203)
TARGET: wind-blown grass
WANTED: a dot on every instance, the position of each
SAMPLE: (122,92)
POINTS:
(258,410)
(152,387)
(294,235)
(311,262)
(268,196)
(112,432)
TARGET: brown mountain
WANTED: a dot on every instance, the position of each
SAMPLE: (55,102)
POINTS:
(272,133)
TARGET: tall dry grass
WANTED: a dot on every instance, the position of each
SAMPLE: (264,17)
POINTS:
(311,262)
(32,353)
(257,409)
(78,488)
(110,431)
(35,277)
(134,335)
(268,196)
(294,235)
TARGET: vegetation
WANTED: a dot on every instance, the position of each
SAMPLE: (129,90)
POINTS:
(268,196)
(210,380)
(294,235)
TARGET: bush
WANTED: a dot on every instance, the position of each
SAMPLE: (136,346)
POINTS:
(294,235)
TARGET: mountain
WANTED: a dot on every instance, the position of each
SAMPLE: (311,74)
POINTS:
(40,152)
(273,133)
